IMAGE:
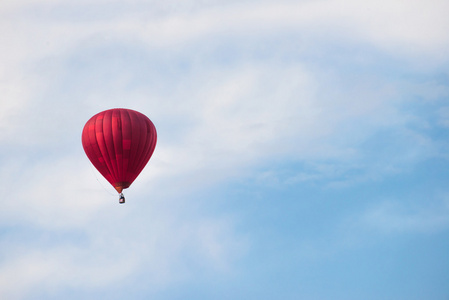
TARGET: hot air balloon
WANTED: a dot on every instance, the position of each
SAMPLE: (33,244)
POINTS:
(119,143)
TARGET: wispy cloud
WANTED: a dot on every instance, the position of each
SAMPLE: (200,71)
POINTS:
(397,218)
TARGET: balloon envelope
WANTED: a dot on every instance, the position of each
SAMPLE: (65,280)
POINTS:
(119,142)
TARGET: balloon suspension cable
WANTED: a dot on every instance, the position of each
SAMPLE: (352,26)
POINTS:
(121,199)
(96,177)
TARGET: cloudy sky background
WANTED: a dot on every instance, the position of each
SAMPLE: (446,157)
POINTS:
(302,149)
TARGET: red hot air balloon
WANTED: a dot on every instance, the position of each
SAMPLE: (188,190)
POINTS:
(119,142)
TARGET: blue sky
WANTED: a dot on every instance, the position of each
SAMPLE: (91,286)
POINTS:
(302,149)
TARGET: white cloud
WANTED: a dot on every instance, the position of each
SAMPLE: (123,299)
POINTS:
(51,270)
(165,250)
(410,28)
(83,239)
(407,27)
(231,117)
(216,122)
